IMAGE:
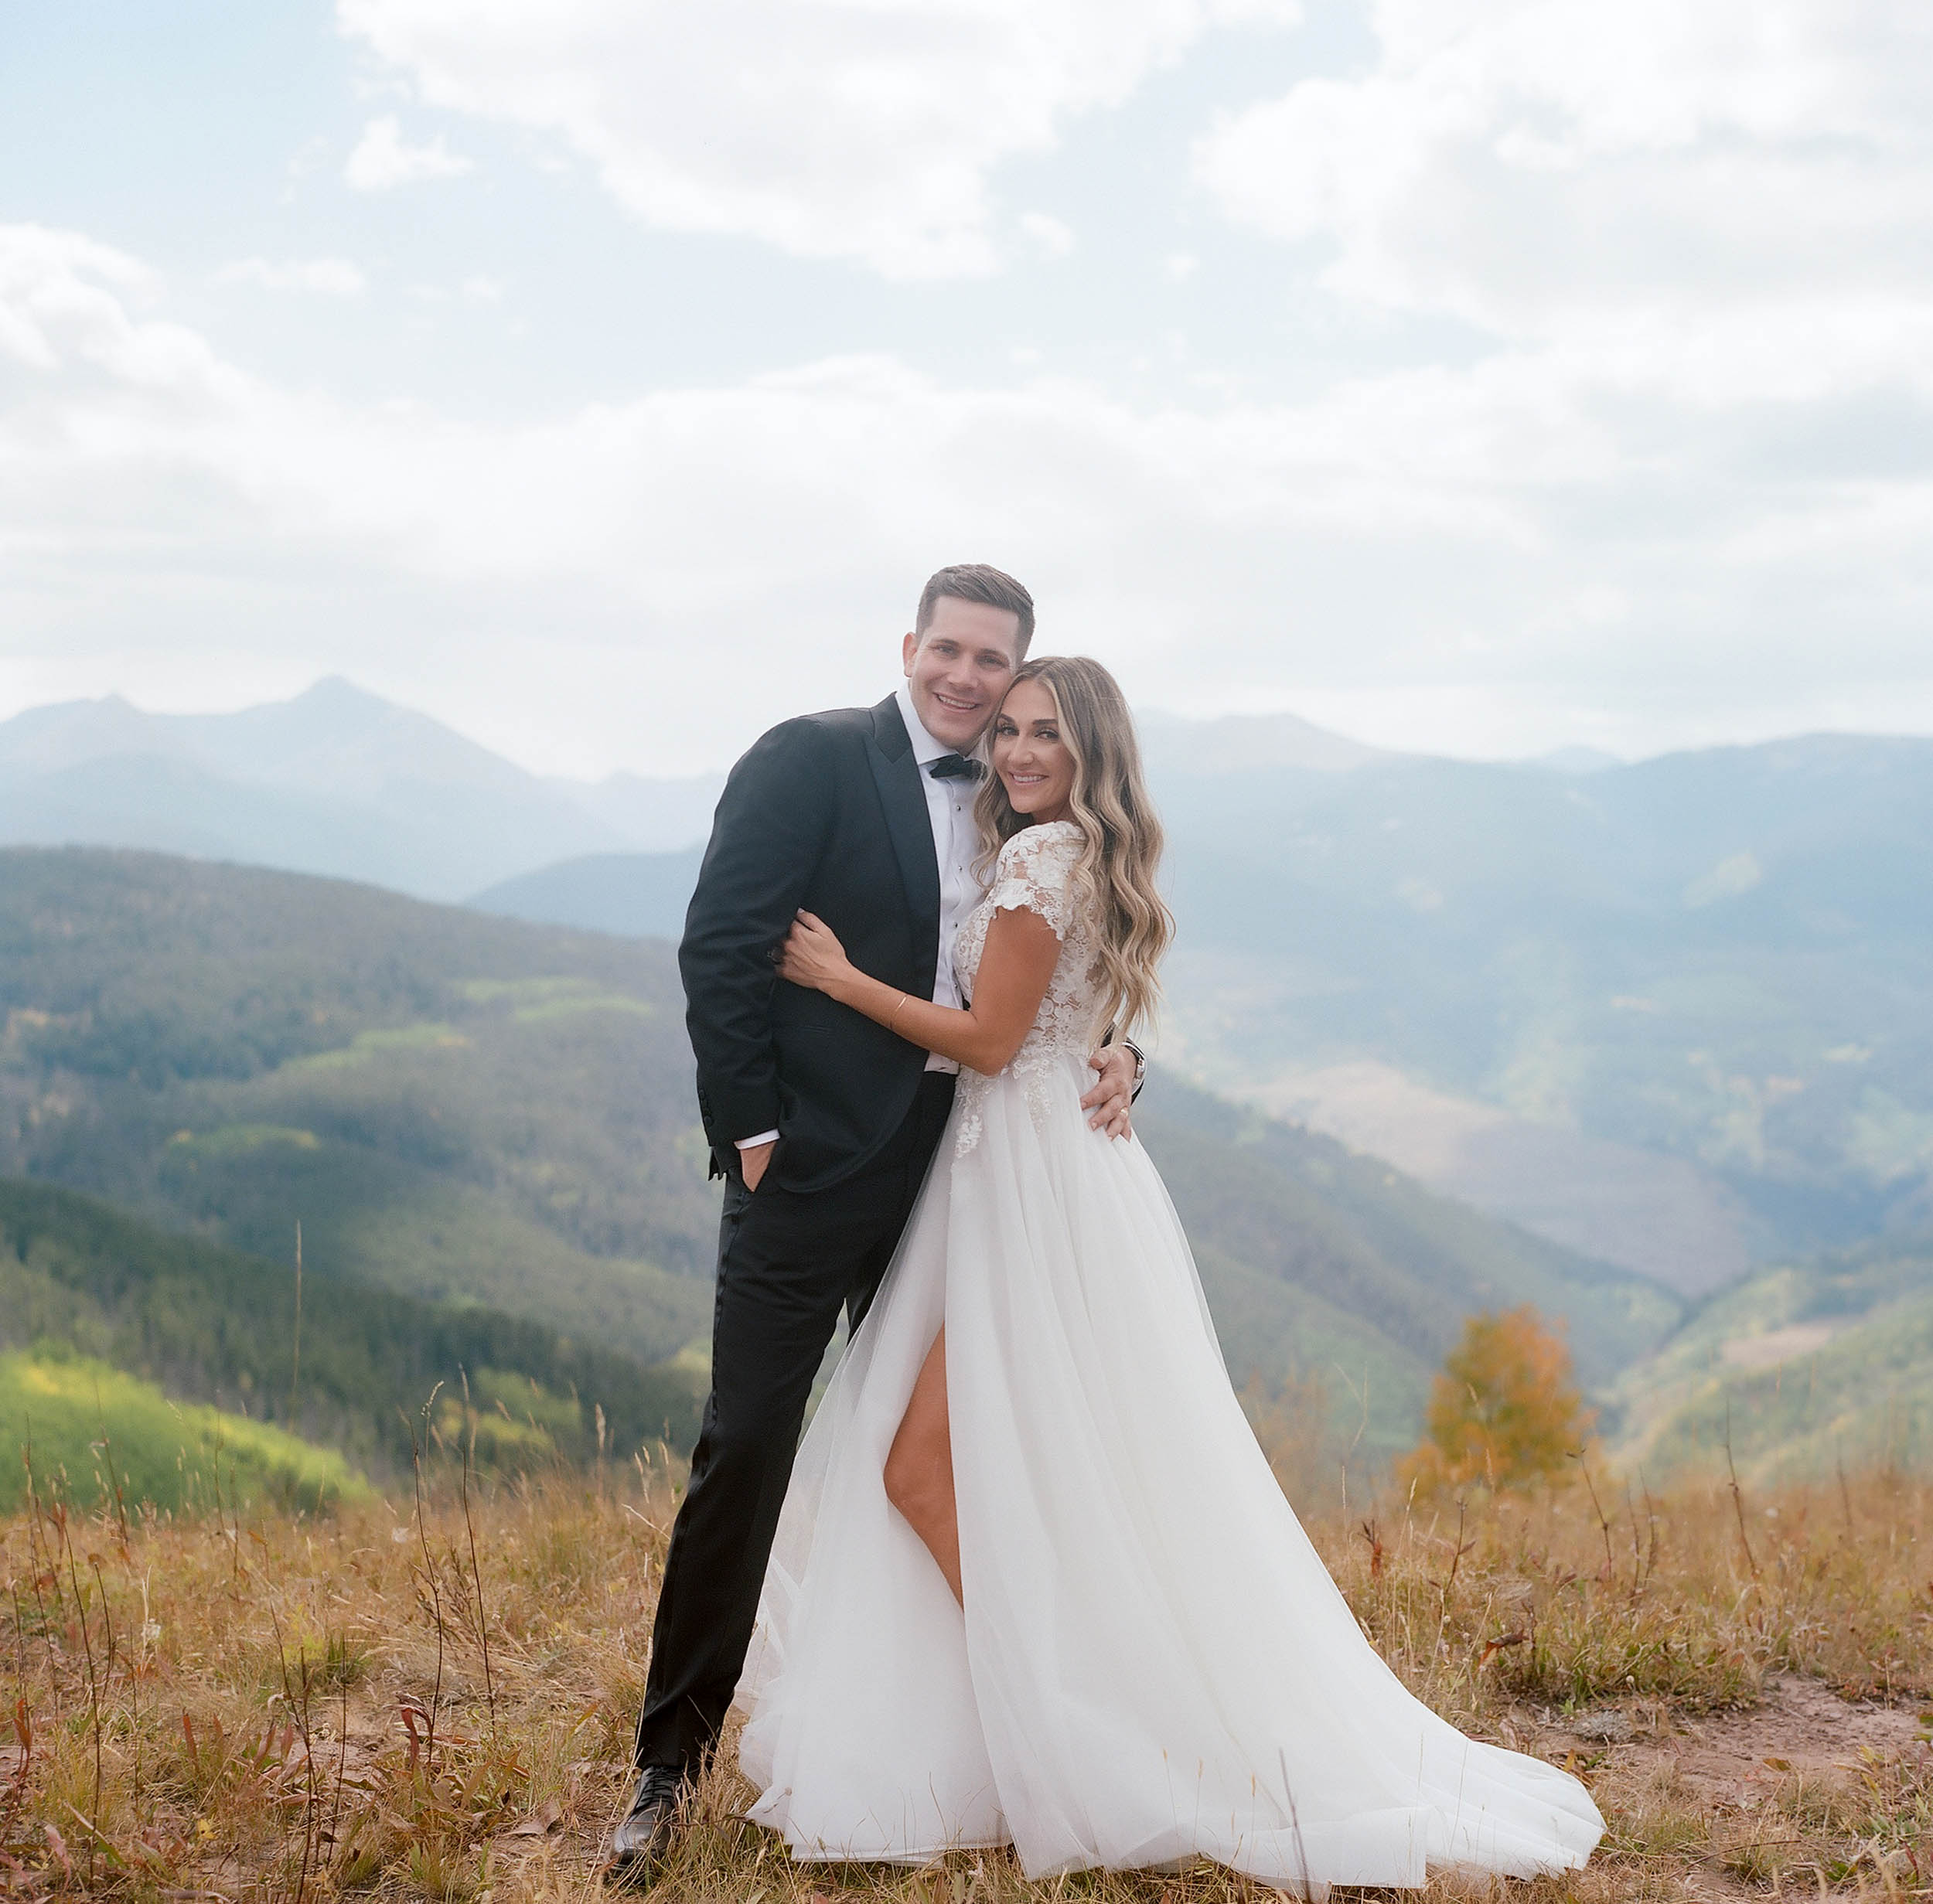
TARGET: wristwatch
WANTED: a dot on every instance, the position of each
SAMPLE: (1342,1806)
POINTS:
(1141,1067)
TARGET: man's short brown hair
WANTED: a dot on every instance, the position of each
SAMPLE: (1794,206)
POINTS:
(975,582)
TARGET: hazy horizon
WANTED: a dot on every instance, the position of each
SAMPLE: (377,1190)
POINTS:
(1446,750)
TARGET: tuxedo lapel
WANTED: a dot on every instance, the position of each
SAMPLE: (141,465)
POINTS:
(890,754)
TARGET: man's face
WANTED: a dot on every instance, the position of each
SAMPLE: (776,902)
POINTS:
(958,670)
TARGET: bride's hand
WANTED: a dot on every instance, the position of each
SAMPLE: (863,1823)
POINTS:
(812,955)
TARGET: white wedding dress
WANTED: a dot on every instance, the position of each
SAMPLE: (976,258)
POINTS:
(1153,1663)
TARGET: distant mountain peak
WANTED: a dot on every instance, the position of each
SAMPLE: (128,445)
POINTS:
(64,732)
(1577,759)
(334,779)
(1248,743)
(338,690)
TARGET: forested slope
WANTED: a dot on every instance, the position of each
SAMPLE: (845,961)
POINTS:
(1316,1259)
(1805,1369)
(207,1324)
(466,1109)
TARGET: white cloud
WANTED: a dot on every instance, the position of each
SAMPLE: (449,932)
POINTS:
(1048,235)
(1479,558)
(831,128)
(67,302)
(384,159)
(328,277)
(1686,250)
(1544,169)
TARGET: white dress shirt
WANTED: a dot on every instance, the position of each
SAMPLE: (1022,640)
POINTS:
(949,812)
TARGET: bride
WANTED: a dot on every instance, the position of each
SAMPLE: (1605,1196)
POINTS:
(1035,1582)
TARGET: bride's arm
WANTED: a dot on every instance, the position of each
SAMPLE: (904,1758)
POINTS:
(1014,972)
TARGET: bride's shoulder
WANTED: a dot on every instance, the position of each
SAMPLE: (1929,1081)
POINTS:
(1051,840)
(1050,847)
(1035,872)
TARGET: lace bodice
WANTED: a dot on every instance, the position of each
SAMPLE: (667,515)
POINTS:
(1036,871)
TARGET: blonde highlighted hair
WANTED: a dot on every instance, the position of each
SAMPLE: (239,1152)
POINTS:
(1122,837)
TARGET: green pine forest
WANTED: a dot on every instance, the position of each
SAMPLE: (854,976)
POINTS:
(84,1288)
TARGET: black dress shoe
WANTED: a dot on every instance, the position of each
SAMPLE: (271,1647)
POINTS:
(644,1833)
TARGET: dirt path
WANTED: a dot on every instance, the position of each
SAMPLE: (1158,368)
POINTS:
(1737,1774)
(1802,1727)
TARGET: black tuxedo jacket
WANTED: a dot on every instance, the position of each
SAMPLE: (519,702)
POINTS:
(827,813)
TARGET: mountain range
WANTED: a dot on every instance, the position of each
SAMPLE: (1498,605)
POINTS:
(335,780)
(484,1128)
(1673,1014)
(340,781)
(471,1110)
(1722,960)
(1676,1015)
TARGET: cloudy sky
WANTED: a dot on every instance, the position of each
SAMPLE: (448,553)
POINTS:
(604,376)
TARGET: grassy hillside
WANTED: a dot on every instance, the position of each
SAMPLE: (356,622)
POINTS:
(454,1107)
(1807,1367)
(470,1109)
(97,1437)
(1316,1259)
(205,1323)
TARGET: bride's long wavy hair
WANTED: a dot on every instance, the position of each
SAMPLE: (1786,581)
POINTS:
(1121,848)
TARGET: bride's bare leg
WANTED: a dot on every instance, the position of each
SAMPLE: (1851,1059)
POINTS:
(919,1466)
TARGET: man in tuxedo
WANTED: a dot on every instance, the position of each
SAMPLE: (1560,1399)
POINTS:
(821,1122)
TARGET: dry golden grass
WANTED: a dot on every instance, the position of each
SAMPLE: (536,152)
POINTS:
(293,1708)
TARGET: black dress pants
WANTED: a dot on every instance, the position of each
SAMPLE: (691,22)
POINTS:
(787,1261)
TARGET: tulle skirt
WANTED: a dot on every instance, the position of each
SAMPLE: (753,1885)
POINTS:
(1153,1663)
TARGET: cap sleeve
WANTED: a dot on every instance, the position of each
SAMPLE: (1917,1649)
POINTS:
(1034,873)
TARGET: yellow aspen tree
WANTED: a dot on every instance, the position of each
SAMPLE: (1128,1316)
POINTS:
(1505,1410)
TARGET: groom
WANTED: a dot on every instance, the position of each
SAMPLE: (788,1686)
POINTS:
(821,1123)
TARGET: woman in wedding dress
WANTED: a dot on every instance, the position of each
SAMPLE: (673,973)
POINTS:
(1035,1582)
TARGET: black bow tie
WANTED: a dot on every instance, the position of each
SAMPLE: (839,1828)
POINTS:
(955,767)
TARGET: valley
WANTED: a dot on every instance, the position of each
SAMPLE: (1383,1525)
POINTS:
(1633,1041)
(481,1115)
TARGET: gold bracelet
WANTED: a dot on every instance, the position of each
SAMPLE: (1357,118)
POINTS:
(905,999)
